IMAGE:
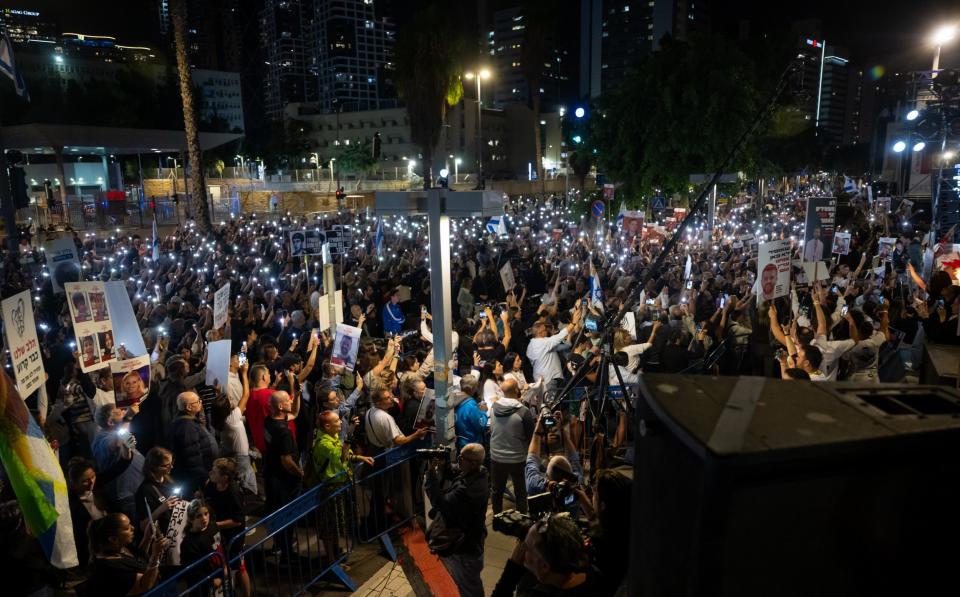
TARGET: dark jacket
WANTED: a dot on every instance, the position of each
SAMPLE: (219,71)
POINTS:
(194,450)
(462,502)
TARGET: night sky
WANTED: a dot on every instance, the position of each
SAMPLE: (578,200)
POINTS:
(876,32)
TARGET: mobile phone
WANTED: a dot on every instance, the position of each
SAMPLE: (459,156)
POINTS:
(123,431)
(723,301)
(650,301)
(423,309)
(483,315)
(242,358)
(591,325)
(177,490)
(689,284)
(843,310)
(834,289)
(699,328)
(941,303)
(881,299)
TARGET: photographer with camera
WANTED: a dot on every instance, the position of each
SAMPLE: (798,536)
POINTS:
(459,512)
(559,467)
(550,561)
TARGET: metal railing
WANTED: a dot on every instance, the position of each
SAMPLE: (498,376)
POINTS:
(288,550)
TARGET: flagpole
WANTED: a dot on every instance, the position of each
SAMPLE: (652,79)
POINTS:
(9,213)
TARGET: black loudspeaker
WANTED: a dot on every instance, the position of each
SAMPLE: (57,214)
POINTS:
(759,487)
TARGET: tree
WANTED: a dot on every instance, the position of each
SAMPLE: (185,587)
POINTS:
(357,158)
(428,56)
(580,162)
(539,17)
(178,13)
(678,113)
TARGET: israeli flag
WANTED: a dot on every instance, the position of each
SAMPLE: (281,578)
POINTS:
(623,211)
(378,239)
(9,67)
(497,226)
(849,186)
(596,293)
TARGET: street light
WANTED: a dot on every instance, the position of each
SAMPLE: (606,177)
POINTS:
(483,73)
(913,114)
(316,160)
(942,36)
(919,145)
(332,160)
(899,146)
(456,170)
(579,112)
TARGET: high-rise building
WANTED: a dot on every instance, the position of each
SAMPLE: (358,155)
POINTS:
(557,73)
(27,27)
(822,88)
(285,30)
(351,55)
(213,37)
(616,34)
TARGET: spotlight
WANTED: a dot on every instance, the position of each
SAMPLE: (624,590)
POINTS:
(919,145)
(899,146)
(912,115)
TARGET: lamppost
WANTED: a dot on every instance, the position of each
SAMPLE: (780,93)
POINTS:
(316,162)
(481,74)
(332,160)
(175,177)
(456,170)
(240,158)
(942,36)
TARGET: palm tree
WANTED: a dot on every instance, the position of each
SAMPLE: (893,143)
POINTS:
(428,55)
(178,13)
(539,17)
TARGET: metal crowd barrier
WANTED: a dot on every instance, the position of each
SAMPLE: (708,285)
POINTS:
(283,551)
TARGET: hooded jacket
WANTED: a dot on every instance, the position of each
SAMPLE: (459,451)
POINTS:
(510,431)
(470,421)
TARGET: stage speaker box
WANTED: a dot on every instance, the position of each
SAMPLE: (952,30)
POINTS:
(758,487)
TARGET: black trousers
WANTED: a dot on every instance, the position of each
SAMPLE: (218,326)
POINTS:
(499,472)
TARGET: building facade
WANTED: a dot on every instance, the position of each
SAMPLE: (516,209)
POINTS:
(285,30)
(352,55)
(220,98)
(25,27)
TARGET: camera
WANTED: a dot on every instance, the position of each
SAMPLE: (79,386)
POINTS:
(433,453)
(513,523)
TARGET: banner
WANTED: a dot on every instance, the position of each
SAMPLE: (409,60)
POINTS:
(506,276)
(340,239)
(22,342)
(62,262)
(91,324)
(773,270)
(841,243)
(305,242)
(218,363)
(131,380)
(221,300)
(821,225)
(345,346)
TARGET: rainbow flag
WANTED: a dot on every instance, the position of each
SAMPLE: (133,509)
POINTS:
(36,477)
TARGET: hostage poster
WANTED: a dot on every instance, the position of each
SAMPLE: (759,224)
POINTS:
(91,324)
(22,342)
(773,270)
(821,224)
(131,380)
(345,346)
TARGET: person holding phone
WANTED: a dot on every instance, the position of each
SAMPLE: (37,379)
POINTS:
(156,496)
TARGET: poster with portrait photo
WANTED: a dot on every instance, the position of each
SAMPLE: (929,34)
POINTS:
(306,242)
(426,412)
(882,206)
(346,344)
(885,248)
(106,345)
(773,270)
(819,228)
(841,243)
(632,224)
(131,380)
(87,302)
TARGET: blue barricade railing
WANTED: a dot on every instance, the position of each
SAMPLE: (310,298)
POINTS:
(309,538)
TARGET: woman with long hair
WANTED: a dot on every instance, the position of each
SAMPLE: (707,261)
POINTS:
(118,567)
(81,480)
(513,369)
(491,374)
(157,492)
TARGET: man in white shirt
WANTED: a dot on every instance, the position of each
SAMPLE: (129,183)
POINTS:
(813,249)
(383,433)
(542,349)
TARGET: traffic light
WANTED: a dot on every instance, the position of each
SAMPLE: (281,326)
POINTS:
(18,187)
(341,194)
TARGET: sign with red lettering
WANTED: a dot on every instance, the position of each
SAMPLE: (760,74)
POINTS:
(22,341)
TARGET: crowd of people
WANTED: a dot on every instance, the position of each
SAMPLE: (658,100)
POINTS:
(288,418)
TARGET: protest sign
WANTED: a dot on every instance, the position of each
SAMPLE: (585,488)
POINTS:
(340,239)
(882,206)
(22,342)
(305,242)
(841,243)
(126,330)
(131,380)
(506,276)
(773,270)
(62,262)
(218,363)
(425,413)
(345,346)
(221,301)
(885,248)
(820,227)
(632,224)
(91,321)
(323,309)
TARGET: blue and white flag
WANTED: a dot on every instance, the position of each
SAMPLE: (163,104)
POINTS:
(156,239)
(596,293)
(849,186)
(620,214)
(9,67)
(497,225)
(378,239)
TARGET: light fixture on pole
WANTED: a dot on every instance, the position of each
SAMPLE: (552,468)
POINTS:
(899,146)
(483,73)
(913,114)
(919,145)
(942,36)
(456,170)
